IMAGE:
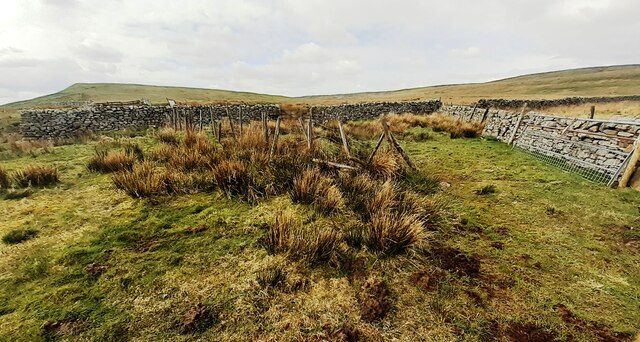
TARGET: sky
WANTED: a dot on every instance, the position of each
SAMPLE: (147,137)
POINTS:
(304,47)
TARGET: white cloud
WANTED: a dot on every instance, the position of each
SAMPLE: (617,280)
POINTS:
(295,47)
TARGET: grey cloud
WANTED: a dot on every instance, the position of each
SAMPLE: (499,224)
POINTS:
(295,47)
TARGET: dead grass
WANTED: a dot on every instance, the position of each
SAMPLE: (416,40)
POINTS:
(188,159)
(314,188)
(279,233)
(233,178)
(312,244)
(5,181)
(385,166)
(36,176)
(167,136)
(105,162)
(142,181)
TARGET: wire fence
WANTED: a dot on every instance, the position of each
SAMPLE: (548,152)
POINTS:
(584,159)
(592,172)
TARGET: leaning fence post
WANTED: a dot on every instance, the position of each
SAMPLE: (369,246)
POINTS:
(241,118)
(265,130)
(375,149)
(276,134)
(395,145)
(515,129)
(631,166)
(310,129)
(343,136)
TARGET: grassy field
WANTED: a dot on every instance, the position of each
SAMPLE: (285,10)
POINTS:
(599,81)
(526,252)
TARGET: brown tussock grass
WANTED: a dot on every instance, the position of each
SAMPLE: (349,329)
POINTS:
(385,166)
(105,162)
(167,136)
(39,175)
(311,244)
(232,177)
(314,188)
(5,181)
(400,123)
(142,181)
(187,159)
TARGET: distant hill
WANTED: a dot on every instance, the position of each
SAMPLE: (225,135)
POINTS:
(596,81)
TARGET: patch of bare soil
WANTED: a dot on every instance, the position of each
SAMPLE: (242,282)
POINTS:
(374,299)
(347,333)
(198,319)
(52,329)
(427,280)
(195,229)
(96,270)
(522,332)
(603,332)
(458,262)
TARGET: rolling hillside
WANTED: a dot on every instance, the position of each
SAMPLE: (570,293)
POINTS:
(597,81)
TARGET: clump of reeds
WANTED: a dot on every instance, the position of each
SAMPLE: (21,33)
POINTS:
(38,176)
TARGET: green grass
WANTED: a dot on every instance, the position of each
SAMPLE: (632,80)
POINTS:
(106,267)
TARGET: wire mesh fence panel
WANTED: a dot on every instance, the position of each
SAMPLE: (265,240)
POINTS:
(597,163)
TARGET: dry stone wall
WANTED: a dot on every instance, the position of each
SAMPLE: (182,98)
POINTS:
(541,104)
(367,111)
(603,143)
(57,123)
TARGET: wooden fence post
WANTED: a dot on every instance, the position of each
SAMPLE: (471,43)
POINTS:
(241,119)
(484,116)
(473,112)
(310,129)
(593,112)
(515,130)
(631,167)
(395,145)
(375,149)
(233,130)
(343,136)
(276,134)
(265,129)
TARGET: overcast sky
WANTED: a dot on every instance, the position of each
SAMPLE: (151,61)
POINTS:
(304,47)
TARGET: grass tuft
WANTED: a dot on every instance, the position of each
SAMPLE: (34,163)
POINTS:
(271,277)
(167,136)
(38,176)
(5,181)
(142,181)
(19,235)
(314,188)
(105,162)
(18,194)
(486,190)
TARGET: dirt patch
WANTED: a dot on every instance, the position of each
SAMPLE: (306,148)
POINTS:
(498,245)
(347,333)
(427,280)
(96,270)
(374,299)
(458,262)
(522,332)
(355,268)
(603,332)
(198,319)
(195,229)
(62,327)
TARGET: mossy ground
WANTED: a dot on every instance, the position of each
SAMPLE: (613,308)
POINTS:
(107,267)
